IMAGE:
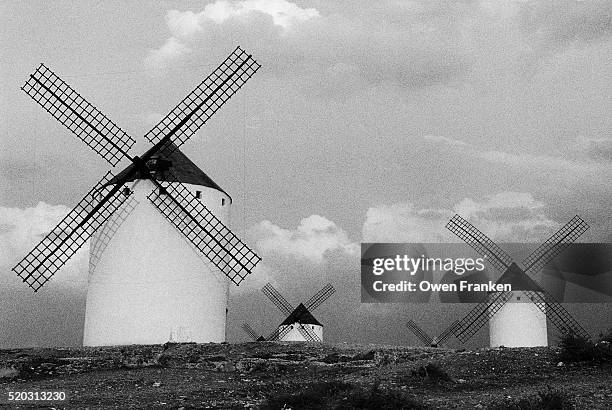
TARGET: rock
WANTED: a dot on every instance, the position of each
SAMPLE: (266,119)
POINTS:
(364,355)
(225,367)
(560,364)
(8,372)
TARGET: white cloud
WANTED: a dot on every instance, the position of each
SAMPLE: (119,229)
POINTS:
(184,25)
(312,240)
(509,216)
(172,49)
(598,149)
(412,45)
(505,216)
(583,166)
(283,13)
(405,223)
(22,229)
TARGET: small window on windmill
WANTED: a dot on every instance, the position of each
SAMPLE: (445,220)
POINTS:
(198,194)
(518,298)
(126,191)
(163,191)
(222,201)
(312,327)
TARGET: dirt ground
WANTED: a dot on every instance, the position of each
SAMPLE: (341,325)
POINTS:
(263,375)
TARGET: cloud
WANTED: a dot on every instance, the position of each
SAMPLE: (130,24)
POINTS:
(582,165)
(551,25)
(172,49)
(598,149)
(184,25)
(283,13)
(22,228)
(405,223)
(411,45)
(54,315)
(336,50)
(312,240)
(505,216)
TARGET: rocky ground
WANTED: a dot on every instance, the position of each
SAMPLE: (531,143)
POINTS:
(303,375)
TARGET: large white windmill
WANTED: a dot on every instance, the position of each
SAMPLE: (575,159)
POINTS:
(161,256)
(518,318)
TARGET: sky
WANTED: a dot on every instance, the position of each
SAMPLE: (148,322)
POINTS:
(368,122)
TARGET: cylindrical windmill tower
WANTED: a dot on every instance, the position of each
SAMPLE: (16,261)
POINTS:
(148,284)
(519,323)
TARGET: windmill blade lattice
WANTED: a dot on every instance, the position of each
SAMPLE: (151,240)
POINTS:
(279,301)
(279,333)
(419,332)
(557,314)
(195,109)
(480,315)
(79,116)
(480,243)
(204,230)
(447,333)
(554,245)
(320,297)
(308,334)
(249,331)
(104,235)
(38,266)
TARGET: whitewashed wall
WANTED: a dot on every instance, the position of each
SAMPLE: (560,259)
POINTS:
(294,334)
(150,286)
(519,323)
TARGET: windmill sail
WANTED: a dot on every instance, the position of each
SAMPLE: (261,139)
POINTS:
(195,109)
(479,242)
(419,332)
(308,334)
(104,235)
(557,314)
(79,116)
(321,296)
(204,230)
(249,331)
(279,333)
(554,245)
(480,315)
(275,297)
(38,266)
(446,333)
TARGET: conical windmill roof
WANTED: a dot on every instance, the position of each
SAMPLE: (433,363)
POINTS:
(183,170)
(301,315)
(518,279)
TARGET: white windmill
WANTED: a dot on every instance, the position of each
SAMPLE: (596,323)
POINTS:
(518,318)
(153,224)
(299,325)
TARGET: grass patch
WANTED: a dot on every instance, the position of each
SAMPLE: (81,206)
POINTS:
(339,395)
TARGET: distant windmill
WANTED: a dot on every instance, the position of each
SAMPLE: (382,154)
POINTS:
(522,323)
(252,334)
(146,284)
(300,325)
(426,339)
